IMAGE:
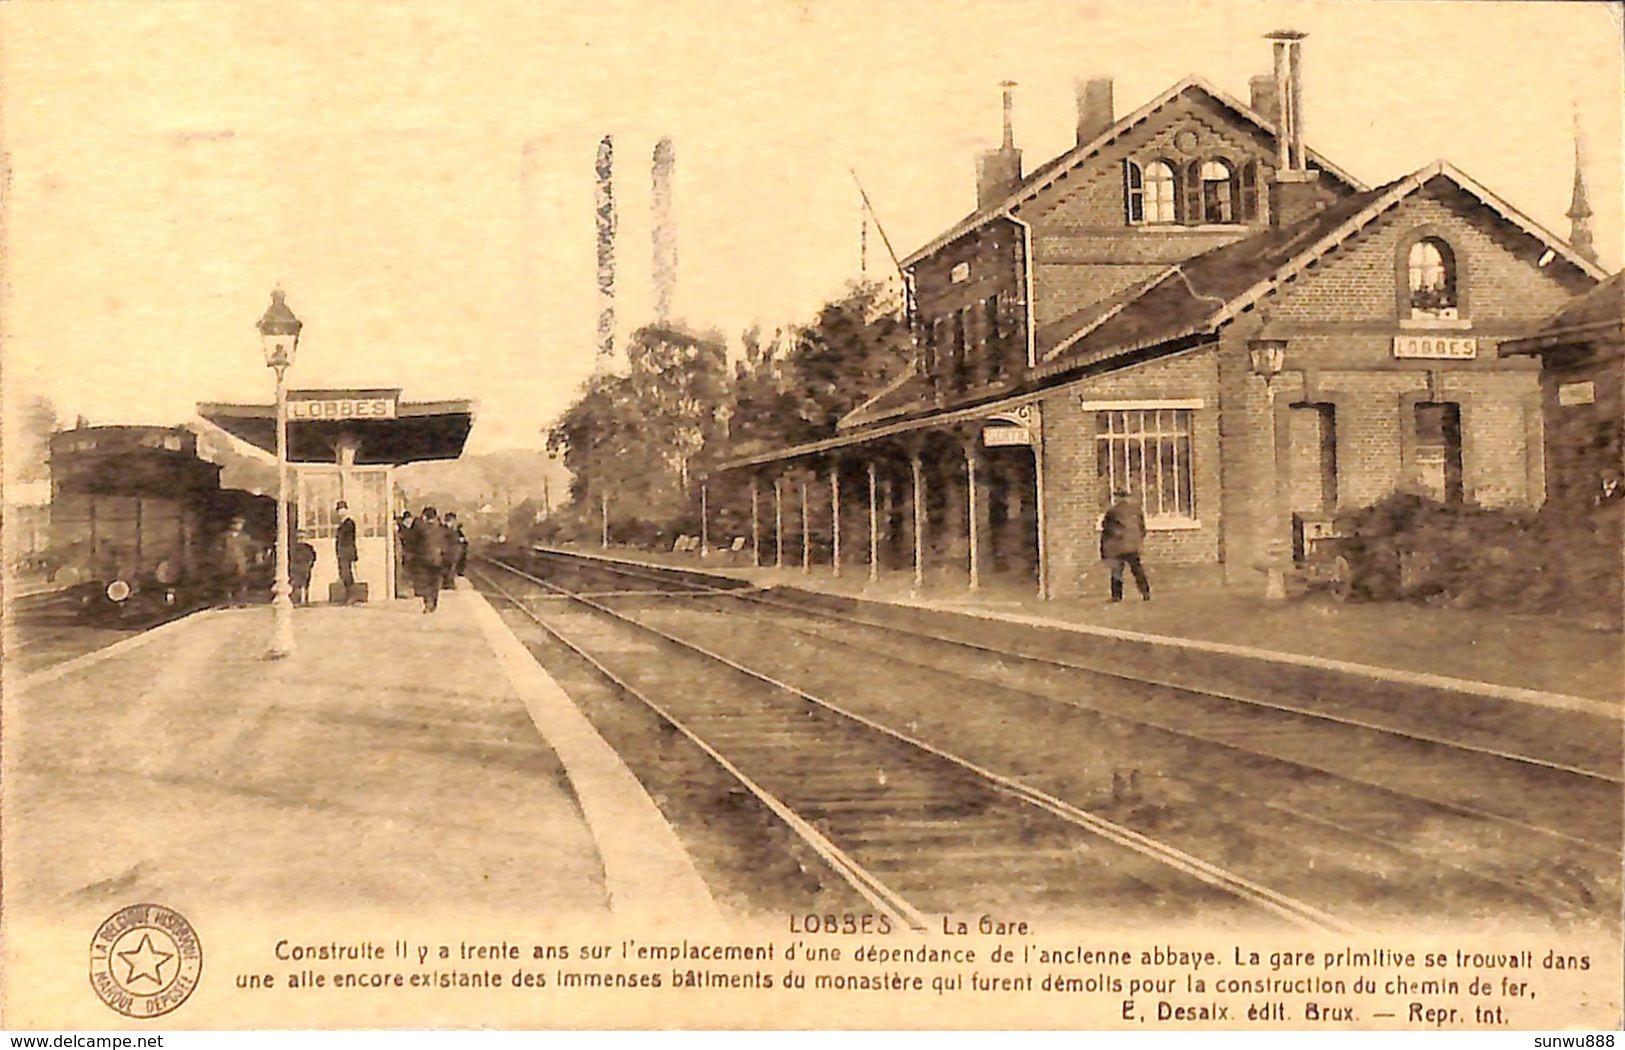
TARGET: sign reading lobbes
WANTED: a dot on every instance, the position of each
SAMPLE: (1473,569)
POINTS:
(341,408)
(1435,347)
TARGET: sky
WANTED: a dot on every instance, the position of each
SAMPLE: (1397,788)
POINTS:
(171,163)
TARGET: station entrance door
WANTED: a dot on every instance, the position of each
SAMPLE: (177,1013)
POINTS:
(367,492)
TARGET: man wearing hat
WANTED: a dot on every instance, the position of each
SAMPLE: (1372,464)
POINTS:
(238,552)
(344,550)
(1122,529)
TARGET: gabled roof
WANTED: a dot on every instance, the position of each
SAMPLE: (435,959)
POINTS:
(1201,294)
(1045,175)
(1190,301)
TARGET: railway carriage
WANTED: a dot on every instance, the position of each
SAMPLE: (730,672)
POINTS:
(135,514)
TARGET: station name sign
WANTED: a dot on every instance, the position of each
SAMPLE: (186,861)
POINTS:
(342,408)
(1436,347)
(1006,436)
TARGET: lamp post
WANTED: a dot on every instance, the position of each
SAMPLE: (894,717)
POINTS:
(1268,356)
(279,335)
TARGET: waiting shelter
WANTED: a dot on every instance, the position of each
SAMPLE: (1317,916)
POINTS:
(345,445)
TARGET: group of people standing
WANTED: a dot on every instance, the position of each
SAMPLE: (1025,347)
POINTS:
(433,553)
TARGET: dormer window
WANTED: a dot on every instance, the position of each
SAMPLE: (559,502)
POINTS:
(1431,271)
(1214,191)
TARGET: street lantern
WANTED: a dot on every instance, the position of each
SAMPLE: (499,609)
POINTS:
(279,332)
(1268,355)
(1268,358)
(279,338)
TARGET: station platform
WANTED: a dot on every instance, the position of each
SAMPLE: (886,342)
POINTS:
(395,763)
(1517,658)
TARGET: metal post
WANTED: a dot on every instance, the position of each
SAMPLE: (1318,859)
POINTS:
(974,534)
(1039,519)
(281,601)
(919,521)
(806,530)
(705,532)
(1275,572)
(835,517)
(778,523)
(755,525)
(603,539)
(874,528)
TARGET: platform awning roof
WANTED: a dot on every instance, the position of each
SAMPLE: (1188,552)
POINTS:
(386,430)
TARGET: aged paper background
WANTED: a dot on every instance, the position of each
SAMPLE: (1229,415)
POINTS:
(418,175)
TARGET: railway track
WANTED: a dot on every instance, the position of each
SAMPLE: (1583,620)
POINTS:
(1401,798)
(914,829)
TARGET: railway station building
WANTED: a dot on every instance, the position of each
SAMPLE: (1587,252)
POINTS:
(344,444)
(1194,305)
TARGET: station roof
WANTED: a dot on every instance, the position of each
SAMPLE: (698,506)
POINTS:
(387,430)
(1597,314)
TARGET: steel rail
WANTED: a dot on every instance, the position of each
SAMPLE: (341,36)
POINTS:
(1291,811)
(754,594)
(1457,807)
(870,887)
(1506,884)
(1299,912)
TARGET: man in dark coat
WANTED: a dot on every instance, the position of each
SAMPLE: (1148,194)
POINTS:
(429,548)
(344,549)
(301,563)
(1122,529)
(238,552)
(403,555)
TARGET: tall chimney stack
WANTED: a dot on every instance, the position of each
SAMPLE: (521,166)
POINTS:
(1295,192)
(998,172)
(663,228)
(1095,111)
(1261,90)
(604,211)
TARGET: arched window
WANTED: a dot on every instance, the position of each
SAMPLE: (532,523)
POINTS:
(1159,193)
(1218,192)
(1431,271)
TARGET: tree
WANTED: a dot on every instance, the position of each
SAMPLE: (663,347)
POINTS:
(856,346)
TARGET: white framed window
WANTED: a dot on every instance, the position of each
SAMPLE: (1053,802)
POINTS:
(1148,452)
(1148,193)
(959,274)
(1159,194)
(1431,271)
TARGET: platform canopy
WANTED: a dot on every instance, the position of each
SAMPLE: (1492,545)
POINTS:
(381,427)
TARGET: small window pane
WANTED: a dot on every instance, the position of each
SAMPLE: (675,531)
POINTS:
(1159,193)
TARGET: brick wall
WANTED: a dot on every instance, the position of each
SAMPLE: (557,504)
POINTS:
(1084,249)
(1502,281)
(1583,441)
(1073,497)
(1340,318)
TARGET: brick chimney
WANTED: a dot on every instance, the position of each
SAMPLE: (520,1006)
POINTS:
(1261,90)
(1295,192)
(998,172)
(1095,111)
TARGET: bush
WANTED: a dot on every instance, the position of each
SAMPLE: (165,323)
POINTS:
(1560,560)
